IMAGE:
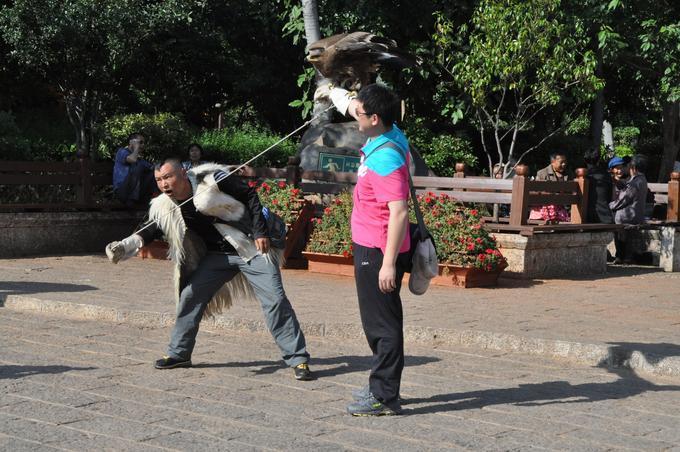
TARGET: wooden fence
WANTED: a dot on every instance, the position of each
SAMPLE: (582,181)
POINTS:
(520,192)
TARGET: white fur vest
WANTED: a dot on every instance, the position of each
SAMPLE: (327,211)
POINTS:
(186,249)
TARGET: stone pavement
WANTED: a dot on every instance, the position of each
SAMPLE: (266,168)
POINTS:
(630,317)
(89,385)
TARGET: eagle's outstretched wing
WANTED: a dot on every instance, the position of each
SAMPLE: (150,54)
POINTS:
(351,59)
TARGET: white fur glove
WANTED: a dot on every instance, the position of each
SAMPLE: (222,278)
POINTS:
(341,98)
(124,249)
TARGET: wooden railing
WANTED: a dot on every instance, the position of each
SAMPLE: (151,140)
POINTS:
(82,175)
(519,192)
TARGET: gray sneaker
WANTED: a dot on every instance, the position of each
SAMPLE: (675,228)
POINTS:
(365,392)
(371,406)
(361,393)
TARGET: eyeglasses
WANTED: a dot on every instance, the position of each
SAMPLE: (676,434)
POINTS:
(363,113)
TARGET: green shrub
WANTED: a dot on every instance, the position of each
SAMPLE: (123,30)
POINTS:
(441,152)
(235,146)
(166,134)
(12,145)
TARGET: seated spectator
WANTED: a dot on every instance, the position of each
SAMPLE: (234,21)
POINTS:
(557,170)
(195,152)
(629,207)
(599,189)
(133,181)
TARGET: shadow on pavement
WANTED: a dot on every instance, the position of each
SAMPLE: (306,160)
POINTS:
(621,352)
(14,372)
(25,287)
(343,365)
(538,394)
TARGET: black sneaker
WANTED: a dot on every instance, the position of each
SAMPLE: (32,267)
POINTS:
(302,372)
(167,362)
(371,406)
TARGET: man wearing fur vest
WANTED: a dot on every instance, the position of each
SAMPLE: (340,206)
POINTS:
(219,237)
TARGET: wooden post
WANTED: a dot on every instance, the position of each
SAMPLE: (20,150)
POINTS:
(461,168)
(293,172)
(519,207)
(84,192)
(579,212)
(673,210)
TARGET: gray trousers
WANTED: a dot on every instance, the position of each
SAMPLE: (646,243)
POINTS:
(265,277)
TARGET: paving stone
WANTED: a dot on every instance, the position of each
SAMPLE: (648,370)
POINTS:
(243,398)
(190,441)
(46,412)
(121,428)
(57,395)
(9,443)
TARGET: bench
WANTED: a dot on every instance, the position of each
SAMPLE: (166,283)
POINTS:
(657,241)
(82,178)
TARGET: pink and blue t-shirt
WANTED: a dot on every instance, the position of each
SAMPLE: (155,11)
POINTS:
(382,177)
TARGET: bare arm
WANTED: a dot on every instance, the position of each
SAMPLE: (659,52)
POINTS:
(396,229)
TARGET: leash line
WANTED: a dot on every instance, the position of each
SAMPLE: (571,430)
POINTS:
(238,168)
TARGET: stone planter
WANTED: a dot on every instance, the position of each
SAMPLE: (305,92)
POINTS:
(158,249)
(449,275)
(332,264)
(455,276)
(296,237)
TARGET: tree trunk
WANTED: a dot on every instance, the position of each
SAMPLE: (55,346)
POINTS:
(608,132)
(671,139)
(82,108)
(596,120)
(310,15)
(597,110)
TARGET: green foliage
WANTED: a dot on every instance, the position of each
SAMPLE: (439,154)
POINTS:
(34,135)
(306,82)
(519,59)
(660,46)
(440,151)
(12,146)
(237,145)
(458,234)
(281,198)
(626,140)
(332,232)
(166,134)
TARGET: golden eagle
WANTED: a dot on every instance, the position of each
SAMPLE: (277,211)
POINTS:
(352,59)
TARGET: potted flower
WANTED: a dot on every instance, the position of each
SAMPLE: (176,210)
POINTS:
(467,253)
(329,248)
(287,202)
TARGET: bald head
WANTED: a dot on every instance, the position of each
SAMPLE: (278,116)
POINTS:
(172,179)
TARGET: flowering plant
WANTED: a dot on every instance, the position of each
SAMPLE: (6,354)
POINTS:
(283,199)
(458,233)
(554,214)
(332,231)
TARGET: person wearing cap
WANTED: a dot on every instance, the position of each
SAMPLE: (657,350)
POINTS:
(617,168)
(629,206)
(379,227)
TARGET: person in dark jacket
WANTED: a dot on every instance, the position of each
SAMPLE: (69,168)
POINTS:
(629,206)
(600,189)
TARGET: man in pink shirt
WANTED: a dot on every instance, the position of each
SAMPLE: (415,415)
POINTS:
(379,232)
